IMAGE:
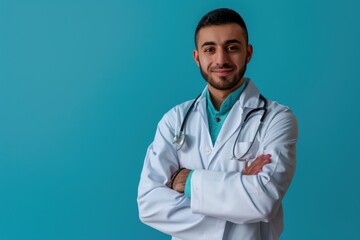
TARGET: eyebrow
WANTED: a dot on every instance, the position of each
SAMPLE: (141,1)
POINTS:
(226,42)
(207,44)
(232,41)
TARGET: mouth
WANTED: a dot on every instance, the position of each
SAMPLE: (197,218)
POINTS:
(222,72)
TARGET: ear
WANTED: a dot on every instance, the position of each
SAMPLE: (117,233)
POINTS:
(196,57)
(249,52)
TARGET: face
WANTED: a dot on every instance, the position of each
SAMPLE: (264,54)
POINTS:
(222,54)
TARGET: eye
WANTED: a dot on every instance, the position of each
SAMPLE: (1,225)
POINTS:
(209,50)
(232,48)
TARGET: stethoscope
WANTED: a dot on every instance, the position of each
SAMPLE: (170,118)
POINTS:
(179,138)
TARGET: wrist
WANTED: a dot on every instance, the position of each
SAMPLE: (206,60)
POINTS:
(173,177)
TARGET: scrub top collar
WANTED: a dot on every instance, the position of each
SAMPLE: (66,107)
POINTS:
(228,103)
(248,99)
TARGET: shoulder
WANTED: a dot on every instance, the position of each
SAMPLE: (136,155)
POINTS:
(178,110)
(174,117)
(280,117)
(276,108)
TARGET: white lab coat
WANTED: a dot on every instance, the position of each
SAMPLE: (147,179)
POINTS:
(224,204)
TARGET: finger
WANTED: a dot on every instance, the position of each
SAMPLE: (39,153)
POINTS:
(253,169)
(265,156)
(266,161)
(256,167)
(260,161)
(257,164)
(262,158)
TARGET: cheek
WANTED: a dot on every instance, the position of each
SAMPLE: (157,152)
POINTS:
(204,62)
(241,60)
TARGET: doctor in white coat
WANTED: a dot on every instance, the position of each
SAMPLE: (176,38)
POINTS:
(229,177)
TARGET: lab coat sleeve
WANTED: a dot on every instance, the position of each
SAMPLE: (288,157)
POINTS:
(240,198)
(161,207)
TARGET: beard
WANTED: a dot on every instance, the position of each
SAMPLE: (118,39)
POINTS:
(224,84)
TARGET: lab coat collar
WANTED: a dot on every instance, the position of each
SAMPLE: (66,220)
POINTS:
(249,98)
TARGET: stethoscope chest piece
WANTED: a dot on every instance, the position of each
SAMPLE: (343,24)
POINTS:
(179,140)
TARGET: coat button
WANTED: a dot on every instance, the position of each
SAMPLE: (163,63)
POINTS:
(208,151)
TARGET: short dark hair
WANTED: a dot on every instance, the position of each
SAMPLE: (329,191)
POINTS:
(219,17)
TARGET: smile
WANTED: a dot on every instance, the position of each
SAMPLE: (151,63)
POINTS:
(222,72)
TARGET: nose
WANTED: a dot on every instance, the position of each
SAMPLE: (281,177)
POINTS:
(221,58)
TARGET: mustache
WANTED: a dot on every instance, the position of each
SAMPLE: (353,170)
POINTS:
(224,66)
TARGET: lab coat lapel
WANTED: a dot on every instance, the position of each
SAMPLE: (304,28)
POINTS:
(249,100)
(203,128)
(230,126)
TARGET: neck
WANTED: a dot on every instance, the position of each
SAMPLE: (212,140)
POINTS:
(219,96)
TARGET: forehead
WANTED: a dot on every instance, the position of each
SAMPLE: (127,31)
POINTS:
(220,33)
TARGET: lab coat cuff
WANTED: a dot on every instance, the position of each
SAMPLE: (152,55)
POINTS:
(196,192)
(188,185)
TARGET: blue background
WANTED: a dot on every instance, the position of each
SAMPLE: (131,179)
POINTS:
(84,83)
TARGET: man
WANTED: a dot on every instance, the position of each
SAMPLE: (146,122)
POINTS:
(226,176)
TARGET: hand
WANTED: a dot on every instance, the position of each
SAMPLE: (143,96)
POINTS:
(178,183)
(257,165)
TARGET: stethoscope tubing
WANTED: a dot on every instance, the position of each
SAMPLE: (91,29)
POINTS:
(188,113)
(247,117)
(179,138)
